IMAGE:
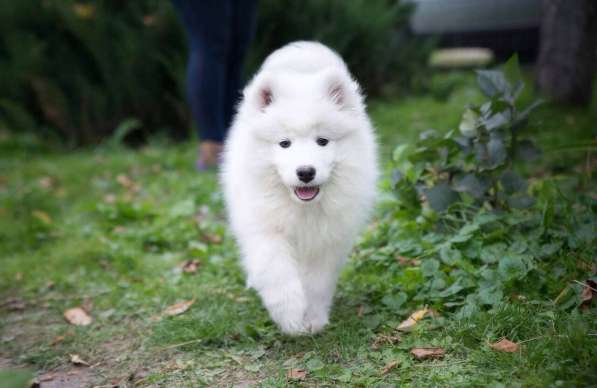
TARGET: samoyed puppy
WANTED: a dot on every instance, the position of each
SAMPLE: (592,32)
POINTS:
(299,176)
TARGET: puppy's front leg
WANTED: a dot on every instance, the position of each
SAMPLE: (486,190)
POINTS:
(320,289)
(272,271)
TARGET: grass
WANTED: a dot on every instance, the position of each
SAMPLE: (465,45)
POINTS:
(108,229)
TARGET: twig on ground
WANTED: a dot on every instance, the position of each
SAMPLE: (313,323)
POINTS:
(181,344)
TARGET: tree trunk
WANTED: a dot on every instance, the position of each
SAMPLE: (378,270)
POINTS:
(568,50)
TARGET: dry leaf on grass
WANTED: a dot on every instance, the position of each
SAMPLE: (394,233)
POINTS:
(212,238)
(127,183)
(46,182)
(411,321)
(402,260)
(588,292)
(389,366)
(179,308)
(77,316)
(42,216)
(191,266)
(427,353)
(75,359)
(57,340)
(296,374)
(504,345)
(385,340)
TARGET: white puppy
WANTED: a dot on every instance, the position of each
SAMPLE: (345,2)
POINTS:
(299,177)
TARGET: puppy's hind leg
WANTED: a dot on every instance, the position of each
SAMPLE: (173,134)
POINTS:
(272,271)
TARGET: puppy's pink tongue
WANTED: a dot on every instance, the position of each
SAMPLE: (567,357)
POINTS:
(306,193)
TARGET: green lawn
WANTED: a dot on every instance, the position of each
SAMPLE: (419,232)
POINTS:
(109,229)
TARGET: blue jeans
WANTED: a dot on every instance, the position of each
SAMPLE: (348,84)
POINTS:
(219,33)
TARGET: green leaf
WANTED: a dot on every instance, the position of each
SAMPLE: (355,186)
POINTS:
(511,70)
(496,150)
(454,289)
(512,267)
(496,121)
(490,296)
(492,82)
(449,255)
(512,182)
(493,253)
(429,267)
(400,153)
(314,364)
(468,123)
(525,113)
(394,301)
(471,184)
(527,151)
(520,201)
(550,249)
(441,196)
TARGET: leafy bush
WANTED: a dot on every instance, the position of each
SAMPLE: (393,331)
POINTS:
(372,37)
(467,230)
(78,69)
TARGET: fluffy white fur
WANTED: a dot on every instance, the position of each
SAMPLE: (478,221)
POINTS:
(293,250)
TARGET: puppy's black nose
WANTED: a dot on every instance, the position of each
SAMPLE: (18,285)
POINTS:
(305,173)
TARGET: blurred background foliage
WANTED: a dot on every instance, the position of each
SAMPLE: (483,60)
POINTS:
(78,72)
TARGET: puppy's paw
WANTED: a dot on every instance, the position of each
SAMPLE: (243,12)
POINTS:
(316,321)
(287,307)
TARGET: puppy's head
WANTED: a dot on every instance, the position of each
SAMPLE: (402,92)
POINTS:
(303,123)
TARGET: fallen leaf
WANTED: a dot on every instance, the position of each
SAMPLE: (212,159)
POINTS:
(77,360)
(411,321)
(588,292)
(57,340)
(47,377)
(179,308)
(109,198)
(296,374)
(125,181)
(46,182)
(191,266)
(427,353)
(42,216)
(213,238)
(77,316)
(360,311)
(504,345)
(385,340)
(389,366)
(402,260)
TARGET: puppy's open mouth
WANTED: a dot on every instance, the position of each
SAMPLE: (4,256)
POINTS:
(306,193)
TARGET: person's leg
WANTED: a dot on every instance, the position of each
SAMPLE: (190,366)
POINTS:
(206,24)
(244,13)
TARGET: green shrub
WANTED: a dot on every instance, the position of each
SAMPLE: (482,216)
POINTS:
(371,36)
(76,70)
(466,231)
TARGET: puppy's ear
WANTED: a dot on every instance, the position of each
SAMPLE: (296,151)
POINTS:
(340,89)
(260,92)
(265,97)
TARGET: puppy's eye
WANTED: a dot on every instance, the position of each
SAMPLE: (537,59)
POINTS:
(285,143)
(322,141)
